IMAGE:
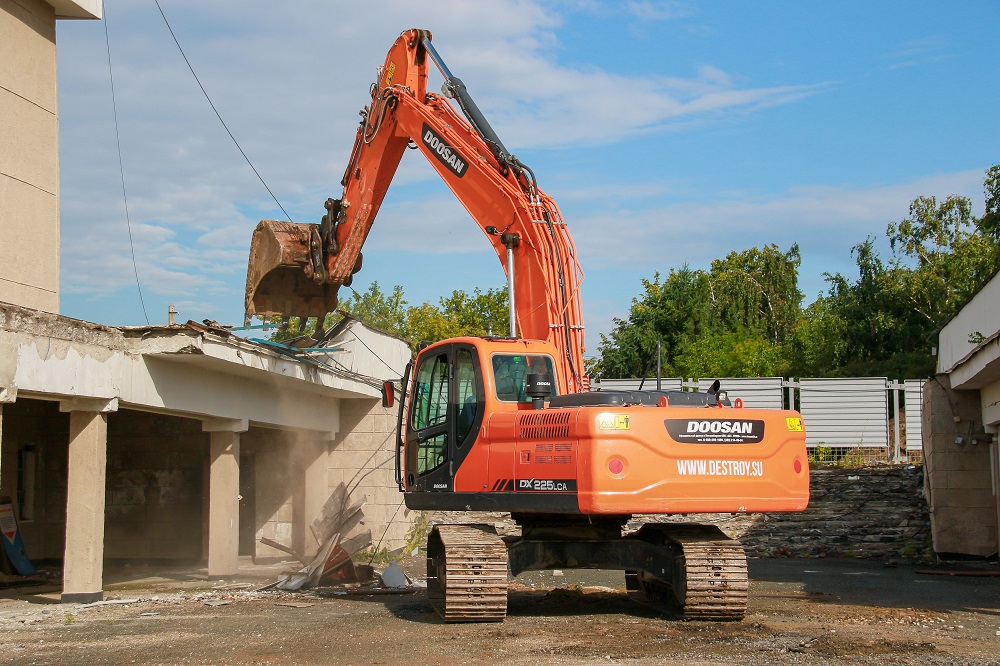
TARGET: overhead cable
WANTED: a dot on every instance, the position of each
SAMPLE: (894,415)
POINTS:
(217,114)
(121,168)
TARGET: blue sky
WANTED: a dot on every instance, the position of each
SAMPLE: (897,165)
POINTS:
(668,132)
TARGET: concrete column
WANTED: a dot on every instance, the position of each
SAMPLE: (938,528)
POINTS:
(224,497)
(83,563)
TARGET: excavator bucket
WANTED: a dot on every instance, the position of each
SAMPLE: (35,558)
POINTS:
(279,274)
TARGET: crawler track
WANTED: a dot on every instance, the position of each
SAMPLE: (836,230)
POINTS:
(467,573)
(710,575)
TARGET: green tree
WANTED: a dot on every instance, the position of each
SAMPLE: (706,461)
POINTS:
(673,310)
(460,314)
(953,256)
(387,312)
(817,345)
(482,313)
(747,302)
(876,320)
(989,224)
(730,354)
(940,256)
(757,290)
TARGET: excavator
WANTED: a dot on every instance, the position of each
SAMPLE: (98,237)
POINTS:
(510,423)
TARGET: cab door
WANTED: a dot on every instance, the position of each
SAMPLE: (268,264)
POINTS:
(445,413)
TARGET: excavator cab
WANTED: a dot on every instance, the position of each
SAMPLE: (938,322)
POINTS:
(451,390)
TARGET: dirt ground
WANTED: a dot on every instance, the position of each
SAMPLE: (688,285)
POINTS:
(802,611)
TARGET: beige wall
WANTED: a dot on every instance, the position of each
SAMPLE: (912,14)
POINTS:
(958,479)
(963,340)
(272,453)
(38,424)
(29,155)
(155,471)
(363,458)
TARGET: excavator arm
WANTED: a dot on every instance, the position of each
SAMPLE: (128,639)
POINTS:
(297,269)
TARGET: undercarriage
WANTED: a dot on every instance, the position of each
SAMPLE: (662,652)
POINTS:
(688,571)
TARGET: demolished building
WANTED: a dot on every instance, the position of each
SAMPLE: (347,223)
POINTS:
(160,442)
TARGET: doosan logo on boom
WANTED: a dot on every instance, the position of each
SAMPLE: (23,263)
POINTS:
(445,153)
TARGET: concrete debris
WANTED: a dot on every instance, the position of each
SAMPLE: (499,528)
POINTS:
(338,515)
(393,576)
(283,548)
(332,562)
(292,581)
(110,602)
(234,586)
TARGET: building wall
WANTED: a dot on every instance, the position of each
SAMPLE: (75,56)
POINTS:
(153,505)
(153,498)
(273,503)
(990,398)
(363,458)
(29,155)
(958,480)
(977,321)
(39,426)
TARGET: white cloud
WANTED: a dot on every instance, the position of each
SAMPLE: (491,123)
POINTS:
(916,52)
(289,85)
(825,221)
(660,11)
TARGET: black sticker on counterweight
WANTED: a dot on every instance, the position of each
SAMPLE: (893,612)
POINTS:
(715,431)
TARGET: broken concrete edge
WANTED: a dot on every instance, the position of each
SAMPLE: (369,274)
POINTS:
(126,339)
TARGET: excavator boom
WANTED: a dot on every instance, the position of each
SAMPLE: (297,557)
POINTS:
(297,269)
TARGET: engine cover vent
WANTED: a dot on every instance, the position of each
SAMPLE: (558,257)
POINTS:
(543,424)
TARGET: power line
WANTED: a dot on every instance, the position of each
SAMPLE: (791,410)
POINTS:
(121,167)
(217,114)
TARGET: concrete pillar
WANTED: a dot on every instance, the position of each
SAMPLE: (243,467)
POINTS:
(83,562)
(224,497)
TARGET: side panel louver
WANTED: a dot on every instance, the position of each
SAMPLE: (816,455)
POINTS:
(544,424)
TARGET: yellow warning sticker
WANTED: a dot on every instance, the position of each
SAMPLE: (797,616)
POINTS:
(614,422)
(794,424)
(390,71)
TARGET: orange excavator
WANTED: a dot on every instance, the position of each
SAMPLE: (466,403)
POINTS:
(510,423)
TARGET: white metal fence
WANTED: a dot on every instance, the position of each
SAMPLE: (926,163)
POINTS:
(842,415)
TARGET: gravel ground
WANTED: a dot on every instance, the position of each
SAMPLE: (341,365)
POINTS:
(802,611)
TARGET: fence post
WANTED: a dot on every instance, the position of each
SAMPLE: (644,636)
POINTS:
(789,385)
(897,451)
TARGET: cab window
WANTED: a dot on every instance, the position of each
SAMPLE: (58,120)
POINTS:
(429,409)
(510,374)
(467,398)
